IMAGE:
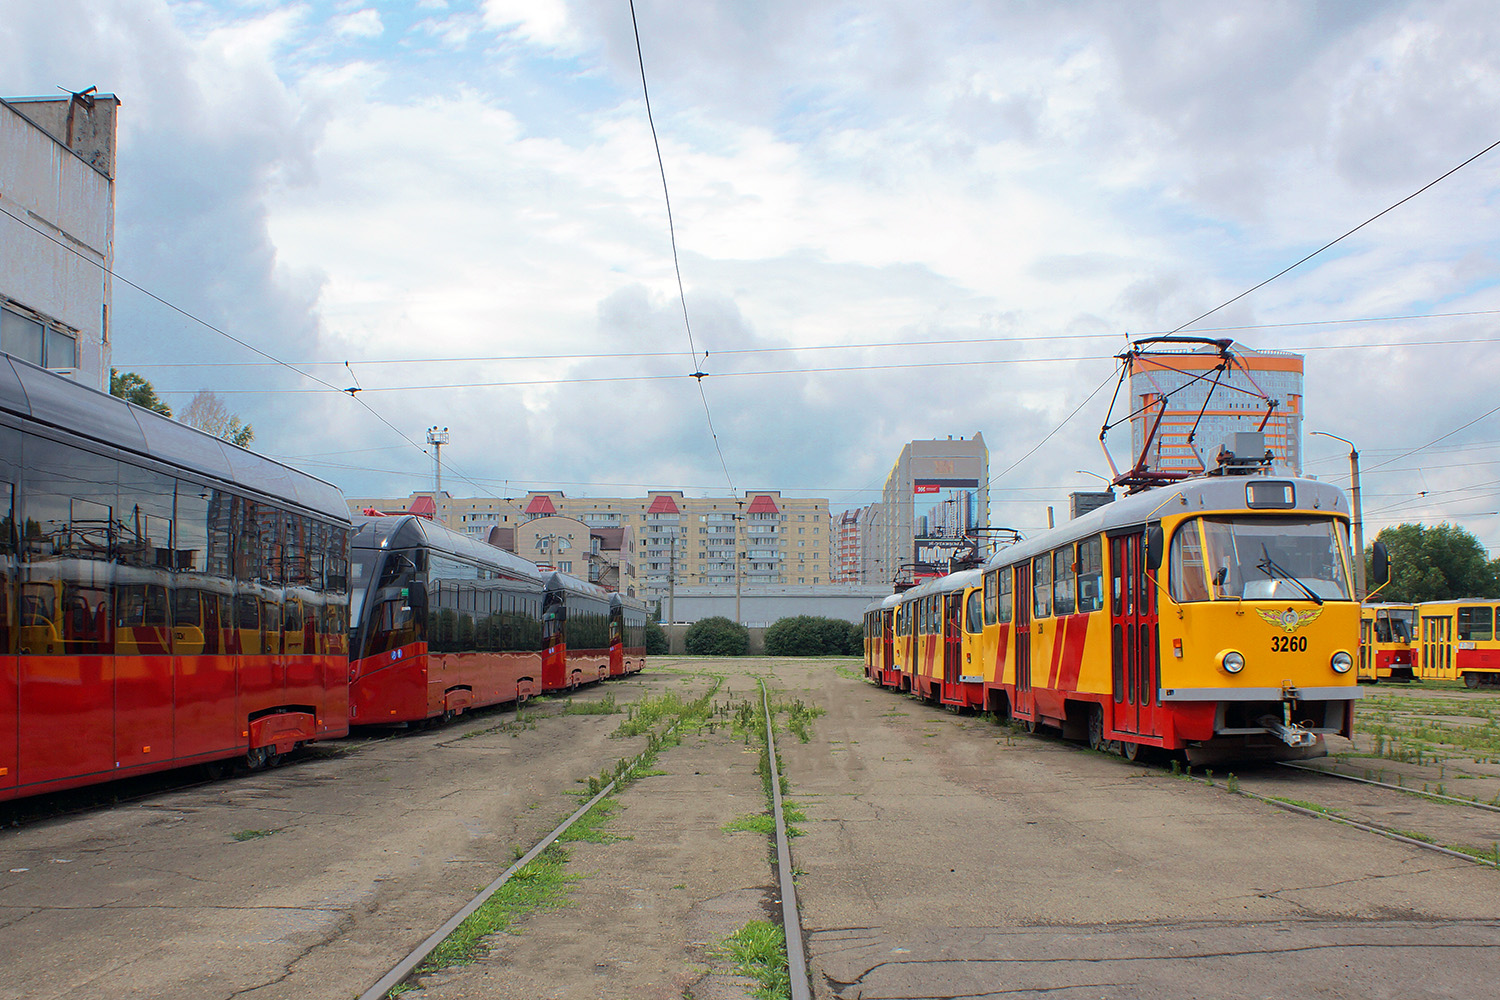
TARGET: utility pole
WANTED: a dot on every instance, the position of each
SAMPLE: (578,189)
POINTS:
(437,437)
(737,563)
(1359,525)
(672,581)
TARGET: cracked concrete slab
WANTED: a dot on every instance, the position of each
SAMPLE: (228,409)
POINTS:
(984,863)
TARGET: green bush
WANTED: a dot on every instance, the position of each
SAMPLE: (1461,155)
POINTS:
(807,635)
(656,640)
(717,636)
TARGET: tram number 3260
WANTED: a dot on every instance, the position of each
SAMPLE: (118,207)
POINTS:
(1288,643)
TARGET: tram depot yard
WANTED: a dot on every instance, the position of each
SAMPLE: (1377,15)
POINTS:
(939,855)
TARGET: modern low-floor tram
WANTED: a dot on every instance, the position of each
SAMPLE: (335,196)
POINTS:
(442,624)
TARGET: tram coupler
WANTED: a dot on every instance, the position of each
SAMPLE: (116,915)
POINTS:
(1289,733)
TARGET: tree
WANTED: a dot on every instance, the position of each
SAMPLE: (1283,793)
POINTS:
(130,386)
(656,640)
(1436,564)
(717,636)
(807,635)
(208,413)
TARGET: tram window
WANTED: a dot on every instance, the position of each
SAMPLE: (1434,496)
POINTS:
(190,541)
(145,505)
(1476,624)
(992,597)
(974,615)
(1041,586)
(1007,596)
(1064,581)
(1188,580)
(1091,574)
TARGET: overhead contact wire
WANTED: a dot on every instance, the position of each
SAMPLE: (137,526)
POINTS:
(661,163)
(1331,243)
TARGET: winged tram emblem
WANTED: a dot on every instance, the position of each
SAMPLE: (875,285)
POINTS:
(1291,619)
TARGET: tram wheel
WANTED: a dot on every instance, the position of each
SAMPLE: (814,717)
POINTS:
(1130,751)
(1096,729)
(1030,724)
(1471,681)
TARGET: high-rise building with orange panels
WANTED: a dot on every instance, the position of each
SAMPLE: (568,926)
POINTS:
(1176,385)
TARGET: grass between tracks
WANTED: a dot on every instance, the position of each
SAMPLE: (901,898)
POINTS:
(544,883)
(758,950)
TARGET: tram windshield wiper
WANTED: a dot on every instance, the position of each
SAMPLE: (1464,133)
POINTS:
(1269,567)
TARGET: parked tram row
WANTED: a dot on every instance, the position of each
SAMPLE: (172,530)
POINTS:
(169,599)
(1431,641)
(1213,616)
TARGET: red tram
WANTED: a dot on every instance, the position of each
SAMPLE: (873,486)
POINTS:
(165,598)
(442,623)
(576,629)
(627,635)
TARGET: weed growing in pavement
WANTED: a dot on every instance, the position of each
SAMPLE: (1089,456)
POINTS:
(800,717)
(245,835)
(1414,835)
(1489,855)
(762,823)
(849,674)
(758,950)
(541,885)
(1233,783)
(604,706)
(1312,806)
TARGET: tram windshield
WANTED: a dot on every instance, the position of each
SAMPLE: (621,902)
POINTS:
(1257,558)
(362,564)
(1394,624)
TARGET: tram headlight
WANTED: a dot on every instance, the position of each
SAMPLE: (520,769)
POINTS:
(1232,661)
(1341,662)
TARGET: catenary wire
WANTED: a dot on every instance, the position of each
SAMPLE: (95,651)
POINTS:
(871,346)
(676,263)
(1351,232)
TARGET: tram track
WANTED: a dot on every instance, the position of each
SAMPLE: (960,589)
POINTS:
(1421,793)
(413,963)
(403,969)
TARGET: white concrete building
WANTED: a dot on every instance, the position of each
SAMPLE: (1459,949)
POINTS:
(57,232)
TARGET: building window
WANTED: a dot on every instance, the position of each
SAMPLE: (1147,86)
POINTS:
(30,340)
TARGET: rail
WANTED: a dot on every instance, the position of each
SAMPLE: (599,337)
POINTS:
(791,921)
(408,965)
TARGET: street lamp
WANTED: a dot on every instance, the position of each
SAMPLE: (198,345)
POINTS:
(1359,527)
(1085,472)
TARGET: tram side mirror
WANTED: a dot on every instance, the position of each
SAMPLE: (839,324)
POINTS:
(416,599)
(1154,544)
(1380,564)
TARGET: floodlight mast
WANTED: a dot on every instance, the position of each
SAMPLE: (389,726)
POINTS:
(437,437)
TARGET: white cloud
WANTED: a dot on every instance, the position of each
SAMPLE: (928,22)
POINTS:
(360,24)
(484,183)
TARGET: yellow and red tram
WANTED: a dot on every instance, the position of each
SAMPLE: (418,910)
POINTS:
(1387,647)
(1459,641)
(880,642)
(1214,614)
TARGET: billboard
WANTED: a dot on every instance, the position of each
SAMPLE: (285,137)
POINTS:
(943,512)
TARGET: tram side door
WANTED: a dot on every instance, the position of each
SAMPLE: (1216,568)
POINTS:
(952,636)
(887,640)
(1133,637)
(1437,647)
(1024,707)
(1366,671)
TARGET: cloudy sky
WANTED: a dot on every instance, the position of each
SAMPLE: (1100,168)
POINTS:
(461,200)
